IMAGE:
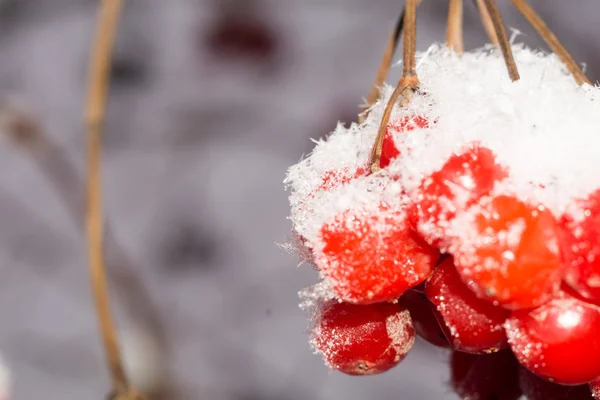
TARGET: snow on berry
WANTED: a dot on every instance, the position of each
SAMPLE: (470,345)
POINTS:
(372,255)
(389,151)
(542,129)
(508,252)
(363,340)
(595,389)
(461,182)
(471,324)
(580,244)
(559,340)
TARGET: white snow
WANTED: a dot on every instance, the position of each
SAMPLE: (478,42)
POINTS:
(544,128)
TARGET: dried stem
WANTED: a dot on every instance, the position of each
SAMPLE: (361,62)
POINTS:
(108,18)
(500,30)
(454,32)
(384,67)
(408,82)
(551,40)
(486,20)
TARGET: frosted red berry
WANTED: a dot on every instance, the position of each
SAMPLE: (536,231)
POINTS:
(336,178)
(580,245)
(389,151)
(372,256)
(470,323)
(536,388)
(559,340)
(424,320)
(509,252)
(461,182)
(363,340)
(595,389)
(485,377)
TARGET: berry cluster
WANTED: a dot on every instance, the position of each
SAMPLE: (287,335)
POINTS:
(473,235)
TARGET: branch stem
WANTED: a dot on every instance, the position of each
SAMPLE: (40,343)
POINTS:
(95,110)
(551,40)
(408,82)
(500,30)
(454,31)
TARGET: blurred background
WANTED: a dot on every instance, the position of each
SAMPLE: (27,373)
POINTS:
(210,102)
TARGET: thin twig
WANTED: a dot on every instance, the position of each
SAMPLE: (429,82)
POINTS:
(498,23)
(486,20)
(408,82)
(454,32)
(551,40)
(108,18)
(384,67)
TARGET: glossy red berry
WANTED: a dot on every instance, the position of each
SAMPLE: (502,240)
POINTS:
(536,388)
(372,256)
(508,252)
(559,340)
(580,245)
(461,182)
(389,151)
(363,340)
(424,320)
(485,377)
(471,324)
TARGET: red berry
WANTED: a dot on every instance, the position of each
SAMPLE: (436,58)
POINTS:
(471,324)
(335,178)
(485,377)
(363,340)
(558,340)
(508,252)
(536,388)
(580,245)
(424,320)
(373,256)
(389,151)
(461,182)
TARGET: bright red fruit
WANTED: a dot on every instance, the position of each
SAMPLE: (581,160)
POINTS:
(461,182)
(485,377)
(559,340)
(424,320)
(373,256)
(536,388)
(363,340)
(471,324)
(580,245)
(389,151)
(508,252)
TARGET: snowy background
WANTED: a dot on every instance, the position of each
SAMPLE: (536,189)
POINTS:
(197,145)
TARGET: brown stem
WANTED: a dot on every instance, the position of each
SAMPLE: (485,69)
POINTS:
(407,84)
(454,32)
(500,30)
(384,67)
(108,18)
(551,40)
(486,20)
